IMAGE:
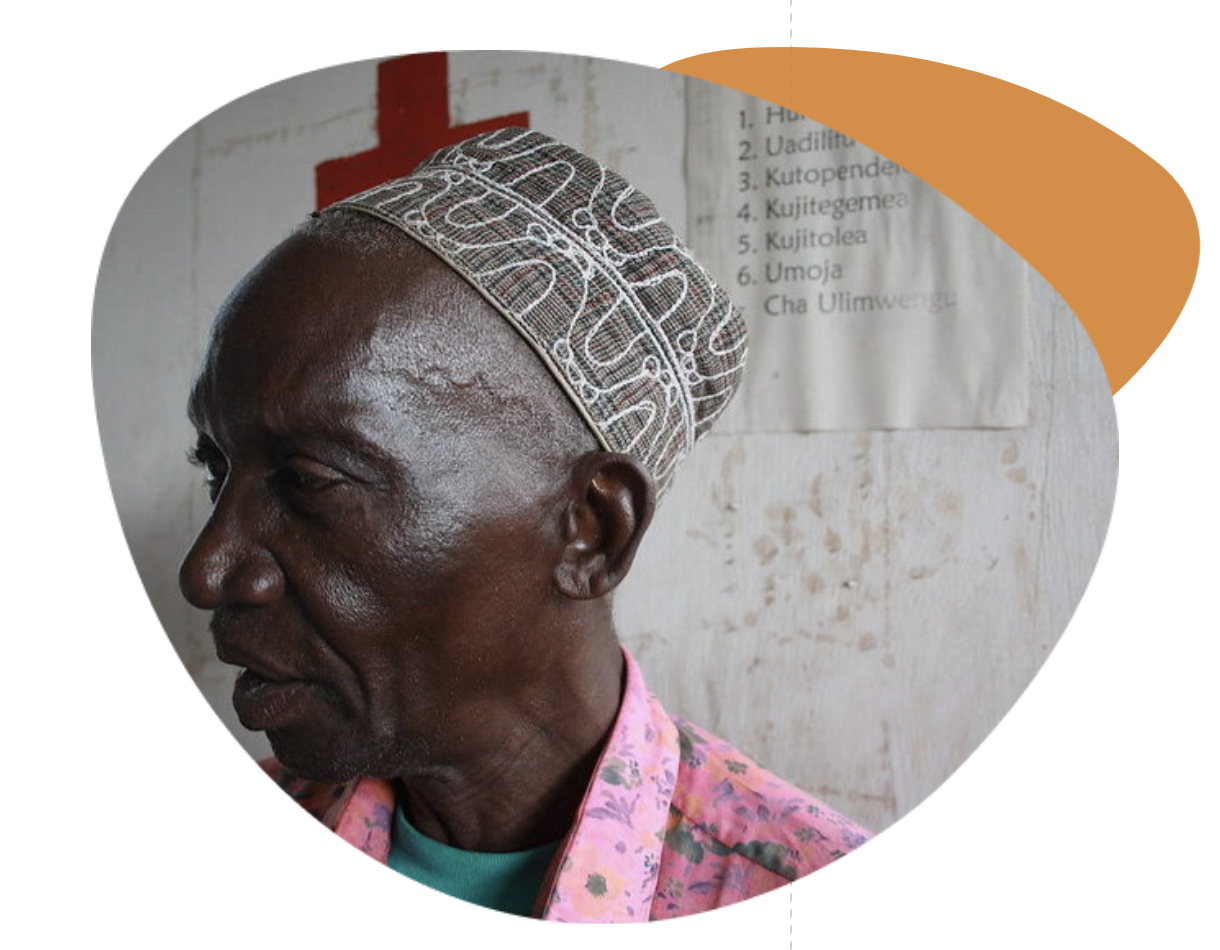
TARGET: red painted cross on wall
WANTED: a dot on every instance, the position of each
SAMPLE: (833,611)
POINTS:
(412,123)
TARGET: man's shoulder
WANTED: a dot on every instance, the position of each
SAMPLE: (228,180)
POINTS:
(725,801)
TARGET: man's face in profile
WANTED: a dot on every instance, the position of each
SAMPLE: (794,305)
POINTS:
(381,544)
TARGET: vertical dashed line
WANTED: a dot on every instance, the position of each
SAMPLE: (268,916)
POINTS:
(789,917)
(791,54)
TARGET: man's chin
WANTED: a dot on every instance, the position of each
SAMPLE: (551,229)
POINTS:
(307,760)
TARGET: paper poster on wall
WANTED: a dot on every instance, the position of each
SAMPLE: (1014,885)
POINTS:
(873,301)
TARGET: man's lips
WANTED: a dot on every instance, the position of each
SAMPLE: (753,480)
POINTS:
(235,656)
(263,704)
(263,696)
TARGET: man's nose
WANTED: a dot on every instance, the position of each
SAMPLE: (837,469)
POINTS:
(229,564)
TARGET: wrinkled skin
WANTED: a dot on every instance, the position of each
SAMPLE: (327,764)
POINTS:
(411,545)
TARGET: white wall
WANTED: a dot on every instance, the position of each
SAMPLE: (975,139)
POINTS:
(856,610)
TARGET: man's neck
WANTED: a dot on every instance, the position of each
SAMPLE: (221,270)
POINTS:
(525,789)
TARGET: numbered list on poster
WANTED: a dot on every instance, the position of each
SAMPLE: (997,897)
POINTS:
(872,300)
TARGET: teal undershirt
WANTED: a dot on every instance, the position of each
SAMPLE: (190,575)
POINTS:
(505,882)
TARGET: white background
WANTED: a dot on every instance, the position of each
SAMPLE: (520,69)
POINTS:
(1086,819)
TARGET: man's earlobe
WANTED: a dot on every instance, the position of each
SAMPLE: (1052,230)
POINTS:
(610,508)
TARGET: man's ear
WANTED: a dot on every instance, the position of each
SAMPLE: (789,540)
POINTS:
(609,508)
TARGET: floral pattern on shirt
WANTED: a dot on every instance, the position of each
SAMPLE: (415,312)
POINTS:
(674,822)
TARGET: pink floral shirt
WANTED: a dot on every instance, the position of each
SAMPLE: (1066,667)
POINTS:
(674,822)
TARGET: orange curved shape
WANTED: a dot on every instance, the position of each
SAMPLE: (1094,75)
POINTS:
(1106,225)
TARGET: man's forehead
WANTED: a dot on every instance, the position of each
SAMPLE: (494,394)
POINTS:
(321,326)
(316,288)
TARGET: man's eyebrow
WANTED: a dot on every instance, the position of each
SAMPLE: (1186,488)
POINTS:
(357,448)
(194,407)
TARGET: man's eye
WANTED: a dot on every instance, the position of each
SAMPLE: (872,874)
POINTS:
(206,456)
(305,476)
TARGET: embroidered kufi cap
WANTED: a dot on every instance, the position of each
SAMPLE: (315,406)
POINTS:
(644,342)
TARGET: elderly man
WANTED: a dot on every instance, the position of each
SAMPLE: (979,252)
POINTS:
(435,421)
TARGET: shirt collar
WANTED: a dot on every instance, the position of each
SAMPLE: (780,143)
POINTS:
(606,870)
